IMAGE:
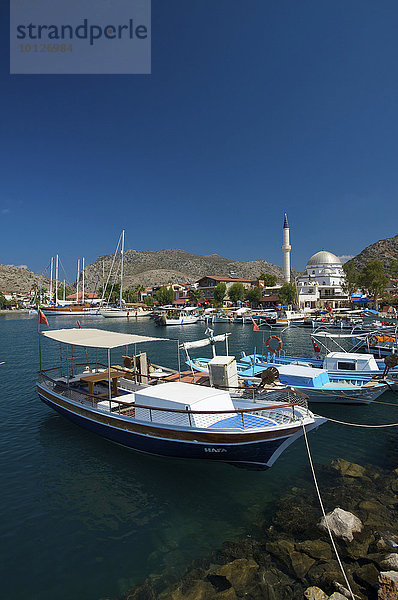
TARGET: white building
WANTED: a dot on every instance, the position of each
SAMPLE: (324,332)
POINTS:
(322,284)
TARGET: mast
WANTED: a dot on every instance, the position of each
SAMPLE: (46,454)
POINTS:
(121,271)
(77,280)
(83,280)
(51,279)
(56,280)
(64,290)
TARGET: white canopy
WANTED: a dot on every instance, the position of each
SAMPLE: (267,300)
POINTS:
(97,338)
(205,342)
(325,334)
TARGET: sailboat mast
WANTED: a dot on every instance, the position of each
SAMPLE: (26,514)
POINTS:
(121,271)
(77,280)
(56,280)
(51,279)
(83,280)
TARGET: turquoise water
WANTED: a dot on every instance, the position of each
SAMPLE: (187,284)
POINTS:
(83,518)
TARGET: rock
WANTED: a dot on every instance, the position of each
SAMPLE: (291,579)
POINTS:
(301,563)
(341,523)
(199,590)
(281,550)
(348,469)
(241,574)
(315,593)
(390,562)
(316,549)
(367,575)
(359,547)
(337,596)
(394,486)
(388,585)
(343,591)
(369,505)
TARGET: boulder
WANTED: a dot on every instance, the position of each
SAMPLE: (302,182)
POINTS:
(367,575)
(388,585)
(348,469)
(241,574)
(337,596)
(315,593)
(316,549)
(300,563)
(342,524)
(390,562)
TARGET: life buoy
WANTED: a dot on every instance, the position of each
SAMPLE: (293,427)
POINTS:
(271,348)
(324,320)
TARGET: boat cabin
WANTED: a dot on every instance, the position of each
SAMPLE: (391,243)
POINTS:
(342,361)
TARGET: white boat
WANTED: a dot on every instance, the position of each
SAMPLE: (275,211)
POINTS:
(174,419)
(177,316)
(125,312)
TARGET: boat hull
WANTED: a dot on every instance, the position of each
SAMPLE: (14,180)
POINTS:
(257,450)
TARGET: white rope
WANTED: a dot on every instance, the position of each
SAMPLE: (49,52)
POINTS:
(324,514)
(362,425)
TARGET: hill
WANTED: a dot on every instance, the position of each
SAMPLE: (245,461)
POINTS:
(19,279)
(384,250)
(174,266)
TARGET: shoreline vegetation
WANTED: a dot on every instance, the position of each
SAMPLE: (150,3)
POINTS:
(290,557)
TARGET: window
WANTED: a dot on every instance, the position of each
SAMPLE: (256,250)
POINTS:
(346,366)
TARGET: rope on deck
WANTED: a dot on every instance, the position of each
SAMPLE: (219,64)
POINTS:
(324,514)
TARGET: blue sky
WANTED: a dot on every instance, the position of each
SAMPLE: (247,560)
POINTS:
(252,106)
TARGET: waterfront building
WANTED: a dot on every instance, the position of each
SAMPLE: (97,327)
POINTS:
(323,282)
(208,283)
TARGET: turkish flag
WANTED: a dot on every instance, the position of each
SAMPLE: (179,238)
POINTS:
(255,326)
(42,318)
(316,347)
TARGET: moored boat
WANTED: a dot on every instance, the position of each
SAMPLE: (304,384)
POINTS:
(173,419)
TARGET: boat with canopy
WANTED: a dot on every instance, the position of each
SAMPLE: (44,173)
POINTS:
(157,410)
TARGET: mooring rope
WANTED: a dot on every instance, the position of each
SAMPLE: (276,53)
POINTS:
(324,514)
(362,425)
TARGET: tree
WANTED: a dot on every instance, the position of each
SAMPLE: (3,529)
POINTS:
(288,293)
(196,295)
(148,300)
(219,293)
(129,295)
(139,289)
(236,292)
(351,278)
(394,269)
(253,295)
(112,292)
(165,295)
(374,279)
(269,279)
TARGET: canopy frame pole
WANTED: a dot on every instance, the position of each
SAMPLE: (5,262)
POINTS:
(135,363)
(179,360)
(109,379)
(190,364)
(67,365)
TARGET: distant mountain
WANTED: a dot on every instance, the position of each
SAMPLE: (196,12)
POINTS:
(19,279)
(174,266)
(384,250)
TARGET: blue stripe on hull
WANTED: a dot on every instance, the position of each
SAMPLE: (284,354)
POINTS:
(254,455)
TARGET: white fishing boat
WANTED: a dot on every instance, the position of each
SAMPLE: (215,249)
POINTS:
(173,419)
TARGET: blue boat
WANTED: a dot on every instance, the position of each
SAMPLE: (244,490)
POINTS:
(129,406)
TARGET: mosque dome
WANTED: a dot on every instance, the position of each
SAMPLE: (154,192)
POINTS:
(323,258)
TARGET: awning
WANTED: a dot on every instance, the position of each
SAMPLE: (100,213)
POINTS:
(97,338)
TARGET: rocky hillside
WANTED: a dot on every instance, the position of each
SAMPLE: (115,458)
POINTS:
(384,250)
(19,279)
(174,266)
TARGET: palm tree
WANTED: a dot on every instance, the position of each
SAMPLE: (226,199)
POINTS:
(195,296)
(139,289)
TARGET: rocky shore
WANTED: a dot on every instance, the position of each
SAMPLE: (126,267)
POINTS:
(292,558)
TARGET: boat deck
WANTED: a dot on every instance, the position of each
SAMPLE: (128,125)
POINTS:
(246,422)
(187,377)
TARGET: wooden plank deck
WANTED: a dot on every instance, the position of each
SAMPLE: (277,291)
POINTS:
(187,377)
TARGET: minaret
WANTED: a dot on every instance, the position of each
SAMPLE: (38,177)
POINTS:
(286,249)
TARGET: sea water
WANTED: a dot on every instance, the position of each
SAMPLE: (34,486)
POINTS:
(84,518)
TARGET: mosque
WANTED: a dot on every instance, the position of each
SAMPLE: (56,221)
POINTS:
(322,284)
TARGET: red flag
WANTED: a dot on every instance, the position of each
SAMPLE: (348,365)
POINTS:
(316,347)
(255,326)
(42,318)
(78,322)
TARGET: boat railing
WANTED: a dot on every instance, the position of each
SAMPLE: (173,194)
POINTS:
(281,413)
